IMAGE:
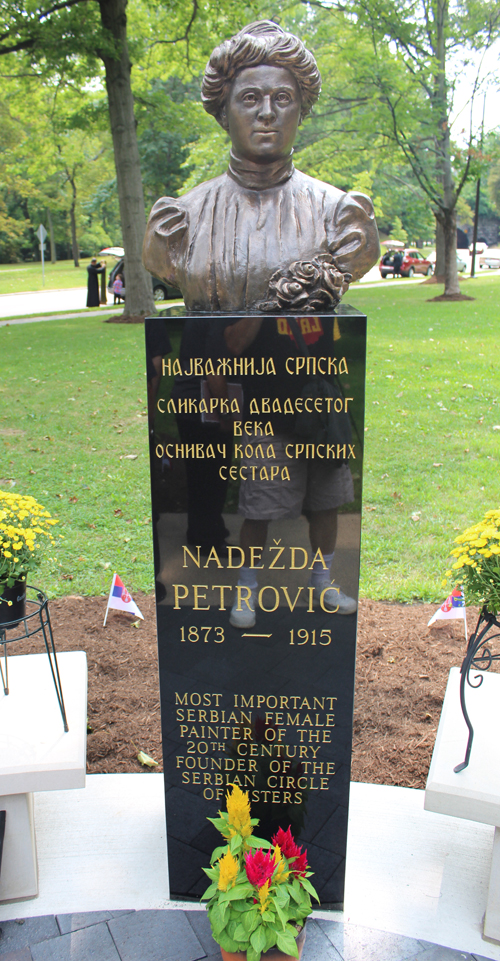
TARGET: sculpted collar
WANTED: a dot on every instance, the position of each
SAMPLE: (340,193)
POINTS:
(260,176)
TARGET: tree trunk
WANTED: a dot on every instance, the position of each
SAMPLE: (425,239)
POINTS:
(446,215)
(72,219)
(138,285)
(53,254)
(439,268)
(449,224)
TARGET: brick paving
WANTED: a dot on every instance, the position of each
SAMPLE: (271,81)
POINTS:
(185,936)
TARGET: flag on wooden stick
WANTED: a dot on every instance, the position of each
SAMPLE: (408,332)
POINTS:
(120,599)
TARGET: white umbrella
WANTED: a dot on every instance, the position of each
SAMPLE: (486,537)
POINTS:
(112,252)
(393,243)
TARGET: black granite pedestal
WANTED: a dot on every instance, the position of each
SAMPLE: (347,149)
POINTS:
(256,420)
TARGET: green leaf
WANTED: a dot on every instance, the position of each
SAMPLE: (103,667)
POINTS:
(287,943)
(235,843)
(271,936)
(258,939)
(240,934)
(253,955)
(226,942)
(309,887)
(250,920)
(238,892)
(253,842)
(217,919)
(283,915)
(282,895)
(258,842)
(239,907)
(218,853)
(209,893)
(219,823)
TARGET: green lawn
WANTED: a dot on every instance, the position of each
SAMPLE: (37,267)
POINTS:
(18,278)
(431,458)
(72,408)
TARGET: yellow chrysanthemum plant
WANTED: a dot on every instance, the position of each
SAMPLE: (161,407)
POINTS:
(259,894)
(25,526)
(476,568)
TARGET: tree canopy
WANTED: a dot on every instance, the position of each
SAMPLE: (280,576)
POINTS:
(89,81)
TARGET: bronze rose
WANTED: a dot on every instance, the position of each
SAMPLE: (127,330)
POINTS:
(308,286)
(304,271)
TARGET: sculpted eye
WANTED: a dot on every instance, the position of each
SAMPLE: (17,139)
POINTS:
(249,98)
(283,97)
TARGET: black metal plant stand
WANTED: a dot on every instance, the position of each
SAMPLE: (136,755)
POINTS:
(479,657)
(38,620)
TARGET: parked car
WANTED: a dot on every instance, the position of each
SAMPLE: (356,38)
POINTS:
(461,263)
(161,290)
(490,258)
(413,263)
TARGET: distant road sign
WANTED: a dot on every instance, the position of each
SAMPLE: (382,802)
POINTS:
(41,233)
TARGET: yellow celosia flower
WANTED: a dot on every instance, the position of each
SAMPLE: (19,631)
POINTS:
(263,898)
(281,873)
(238,809)
(228,871)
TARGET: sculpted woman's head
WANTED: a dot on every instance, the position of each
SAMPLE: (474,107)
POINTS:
(259,85)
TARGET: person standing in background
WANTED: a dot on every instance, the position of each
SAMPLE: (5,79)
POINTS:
(398,260)
(93,269)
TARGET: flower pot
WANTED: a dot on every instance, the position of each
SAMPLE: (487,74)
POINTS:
(274,954)
(13,603)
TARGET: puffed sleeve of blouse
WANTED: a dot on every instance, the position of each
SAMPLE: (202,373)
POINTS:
(163,241)
(355,242)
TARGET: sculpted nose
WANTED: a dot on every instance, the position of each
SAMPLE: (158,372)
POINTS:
(266,111)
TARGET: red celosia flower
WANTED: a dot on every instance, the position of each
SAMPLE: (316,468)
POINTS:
(259,867)
(290,849)
(299,866)
(286,843)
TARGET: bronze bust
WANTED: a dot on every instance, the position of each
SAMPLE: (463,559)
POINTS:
(223,242)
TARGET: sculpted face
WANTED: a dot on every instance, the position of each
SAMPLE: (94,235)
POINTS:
(262,113)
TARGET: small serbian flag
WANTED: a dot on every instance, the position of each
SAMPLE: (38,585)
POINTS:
(120,599)
(452,607)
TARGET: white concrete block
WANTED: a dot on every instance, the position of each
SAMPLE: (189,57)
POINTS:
(35,752)
(19,875)
(492,917)
(475,792)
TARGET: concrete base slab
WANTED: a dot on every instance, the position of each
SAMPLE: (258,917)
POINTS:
(410,872)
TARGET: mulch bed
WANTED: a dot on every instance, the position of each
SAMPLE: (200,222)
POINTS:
(402,670)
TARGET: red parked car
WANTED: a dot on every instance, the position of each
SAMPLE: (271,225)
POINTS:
(413,263)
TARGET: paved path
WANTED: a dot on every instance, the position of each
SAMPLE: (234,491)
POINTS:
(42,302)
(36,320)
(185,936)
(53,301)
